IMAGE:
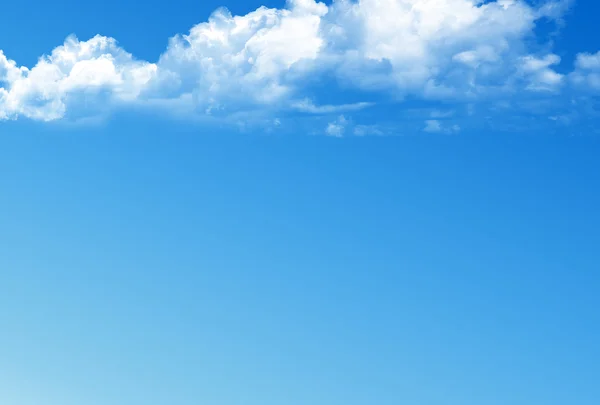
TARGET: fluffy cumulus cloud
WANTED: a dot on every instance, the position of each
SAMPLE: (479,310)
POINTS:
(432,48)
(73,73)
(272,60)
(231,62)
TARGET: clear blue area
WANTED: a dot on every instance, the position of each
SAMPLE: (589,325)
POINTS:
(149,263)
(146,261)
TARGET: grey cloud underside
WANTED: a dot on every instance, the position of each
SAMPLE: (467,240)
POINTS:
(466,51)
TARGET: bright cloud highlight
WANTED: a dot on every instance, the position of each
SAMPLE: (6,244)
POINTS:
(270,60)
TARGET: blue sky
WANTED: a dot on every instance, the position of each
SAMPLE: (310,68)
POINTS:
(185,240)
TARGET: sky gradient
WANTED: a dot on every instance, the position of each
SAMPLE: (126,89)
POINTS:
(314,250)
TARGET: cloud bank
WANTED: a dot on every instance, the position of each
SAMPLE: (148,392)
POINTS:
(276,60)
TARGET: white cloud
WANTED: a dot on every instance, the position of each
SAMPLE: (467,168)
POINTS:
(435,126)
(539,74)
(364,130)
(250,59)
(337,128)
(586,61)
(430,48)
(555,9)
(432,126)
(466,50)
(307,105)
(586,75)
(75,69)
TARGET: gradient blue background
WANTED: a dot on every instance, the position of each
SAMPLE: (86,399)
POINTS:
(148,261)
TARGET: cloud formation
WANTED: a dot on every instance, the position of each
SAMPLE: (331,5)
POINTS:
(72,73)
(587,72)
(467,51)
(337,127)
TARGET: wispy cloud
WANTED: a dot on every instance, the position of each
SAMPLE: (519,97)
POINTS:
(337,128)
(436,126)
(306,105)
